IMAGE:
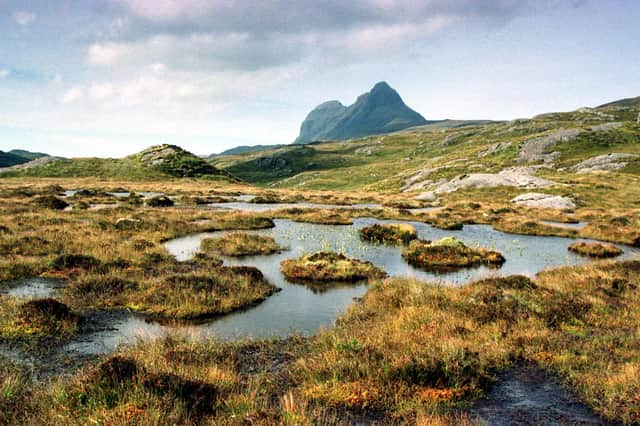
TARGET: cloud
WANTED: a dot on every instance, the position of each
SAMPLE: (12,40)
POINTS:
(156,86)
(24,18)
(72,95)
(4,73)
(257,34)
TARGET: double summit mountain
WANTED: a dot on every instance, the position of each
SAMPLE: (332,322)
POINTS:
(381,110)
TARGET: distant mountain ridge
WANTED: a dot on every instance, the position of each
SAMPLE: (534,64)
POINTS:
(381,110)
(18,156)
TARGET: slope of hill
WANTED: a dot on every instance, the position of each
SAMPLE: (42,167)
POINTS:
(244,149)
(432,158)
(156,162)
(379,111)
(18,156)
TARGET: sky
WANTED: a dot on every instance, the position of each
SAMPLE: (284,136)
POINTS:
(109,78)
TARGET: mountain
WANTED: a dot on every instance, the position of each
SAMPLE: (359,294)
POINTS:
(624,103)
(381,110)
(18,156)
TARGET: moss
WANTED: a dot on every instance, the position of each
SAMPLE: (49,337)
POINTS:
(328,267)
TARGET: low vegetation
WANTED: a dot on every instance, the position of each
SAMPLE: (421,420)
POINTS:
(241,244)
(329,267)
(598,250)
(389,233)
(449,253)
(20,320)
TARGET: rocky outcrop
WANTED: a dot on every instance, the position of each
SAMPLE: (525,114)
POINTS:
(521,177)
(607,162)
(379,111)
(175,161)
(536,150)
(544,201)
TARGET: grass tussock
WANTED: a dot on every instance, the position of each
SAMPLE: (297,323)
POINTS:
(194,295)
(241,244)
(449,253)
(525,226)
(394,234)
(598,250)
(329,267)
(36,318)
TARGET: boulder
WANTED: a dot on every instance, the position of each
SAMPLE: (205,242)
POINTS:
(607,162)
(521,177)
(544,201)
(427,196)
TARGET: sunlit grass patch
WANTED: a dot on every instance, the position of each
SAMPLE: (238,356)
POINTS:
(241,244)
(598,250)
(389,233)
(327,266)
(449,253)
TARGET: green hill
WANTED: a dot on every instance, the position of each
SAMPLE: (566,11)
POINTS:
(156,162)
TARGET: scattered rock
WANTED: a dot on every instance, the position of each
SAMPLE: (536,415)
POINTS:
(419,180)
(607,162)
(515,176)
(495,148)
(272,162)
(544,201)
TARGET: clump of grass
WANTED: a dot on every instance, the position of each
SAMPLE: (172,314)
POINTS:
(616,231)
(51,202)
(67,261)
(525,226)
(320,216)
(160,201)
(194,295)
(240,221)
(36,318)
(389,233)
(329,267)
(598,250)
(241,244)
(449,253)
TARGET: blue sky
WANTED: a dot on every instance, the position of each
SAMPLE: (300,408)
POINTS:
(111,77)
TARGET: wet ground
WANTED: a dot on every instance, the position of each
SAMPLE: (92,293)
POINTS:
(526,395)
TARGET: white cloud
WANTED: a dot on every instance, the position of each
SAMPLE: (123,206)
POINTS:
(100,91)
(4,73)
(72,95)
(23,17)
(107,53)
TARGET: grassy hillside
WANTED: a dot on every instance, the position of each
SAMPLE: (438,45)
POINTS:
(158,162)
(385,162)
